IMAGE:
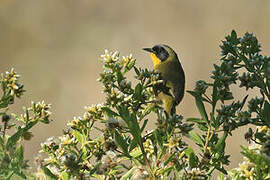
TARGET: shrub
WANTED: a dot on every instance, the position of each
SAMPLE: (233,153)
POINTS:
(12,163)
(112,140)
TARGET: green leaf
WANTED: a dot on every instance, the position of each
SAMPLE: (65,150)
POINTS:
(121,142)
(1,143)
(120,77)
(234,37)
(136,71)
(132,145)
(196,120)
(109,111)
(176,174)
(148,110)
(78,136)
(10,174)
(128,174)
(19,154)
(144,124)
(132,123)
(243,102)
(48,173)
(261,136)
(220,146)
(94,169)
(216,122)
(4,104)
(136,153)
(209,172)
(169,159)
(27,114)
(64,175)
(12,140)
(201,123)
(194,94)
(220,176)
(167,171)
(214,96)
(196,138)
(247,63)
(203,127)
(138,91)
(135,128)
(130,65)
(200,105)
(249,154)
(268,84)
(20,174)
(233,34)
(266,113)
(221,169)
(124,113)
(192,158)
(158,137)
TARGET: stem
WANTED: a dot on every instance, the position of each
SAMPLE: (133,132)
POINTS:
(267,93)
(145,158)
(210,101)
(207,139)
(4,137)
(254,140)
(4,132)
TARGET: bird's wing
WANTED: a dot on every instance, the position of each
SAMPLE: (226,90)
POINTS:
(177,82)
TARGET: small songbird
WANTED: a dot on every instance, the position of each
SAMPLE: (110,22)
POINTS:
(166,62)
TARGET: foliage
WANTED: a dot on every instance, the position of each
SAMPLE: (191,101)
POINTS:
(12,160)
(243,66)
(113,141)
(124,149)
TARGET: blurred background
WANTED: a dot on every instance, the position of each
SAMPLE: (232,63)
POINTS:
(55,45)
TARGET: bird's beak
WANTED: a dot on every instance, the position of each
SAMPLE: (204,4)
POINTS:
(148,50)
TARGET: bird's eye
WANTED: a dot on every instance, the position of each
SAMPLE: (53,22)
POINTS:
(156,49)
(162,49)
(160,52)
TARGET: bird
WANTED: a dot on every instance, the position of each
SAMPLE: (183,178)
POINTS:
(166,62)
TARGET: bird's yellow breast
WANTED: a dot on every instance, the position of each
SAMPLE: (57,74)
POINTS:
(156,60)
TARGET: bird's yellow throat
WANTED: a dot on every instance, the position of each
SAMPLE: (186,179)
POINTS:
(155,59)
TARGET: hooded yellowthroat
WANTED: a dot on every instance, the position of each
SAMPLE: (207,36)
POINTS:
(166,62)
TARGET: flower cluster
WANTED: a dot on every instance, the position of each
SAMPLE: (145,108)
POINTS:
(200,87)
(111,140)
(255,104)
(196,173)
(254,165)
(16,128)
(121,121)
(225,75)
(242,65)
(39,111)
(11,87)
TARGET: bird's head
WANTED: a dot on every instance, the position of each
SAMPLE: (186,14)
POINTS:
(161,54)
